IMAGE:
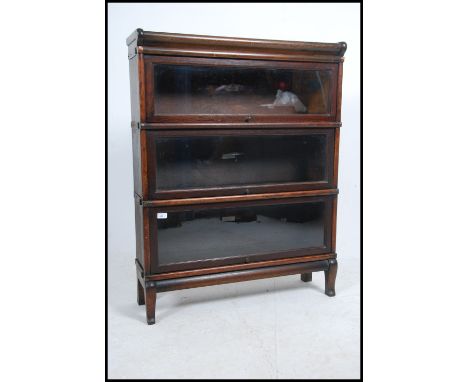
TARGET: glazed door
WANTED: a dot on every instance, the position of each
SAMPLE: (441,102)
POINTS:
(224,162)
(181,89)
(190,237)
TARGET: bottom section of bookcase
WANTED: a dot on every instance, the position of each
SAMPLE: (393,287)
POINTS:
(148,287)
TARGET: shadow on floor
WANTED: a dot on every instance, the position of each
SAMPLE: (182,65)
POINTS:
(215,293)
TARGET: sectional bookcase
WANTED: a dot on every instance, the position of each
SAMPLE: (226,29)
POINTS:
(235,159)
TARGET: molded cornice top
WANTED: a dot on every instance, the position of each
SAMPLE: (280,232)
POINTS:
(156,39)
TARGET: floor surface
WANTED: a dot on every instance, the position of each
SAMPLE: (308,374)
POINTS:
(271,328)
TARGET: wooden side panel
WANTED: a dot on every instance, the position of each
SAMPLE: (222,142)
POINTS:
(134,88)
(146,242)
(144,164)
(135,114)
(338,91)
(336,156)
(142,86)
(137,185)
(337,149)
(333,224)
(139,231)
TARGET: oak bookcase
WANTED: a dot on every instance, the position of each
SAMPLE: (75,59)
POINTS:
(235,159)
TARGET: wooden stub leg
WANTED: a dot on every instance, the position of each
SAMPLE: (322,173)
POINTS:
(140,293)
(330,277)
(150,299)
(306,277)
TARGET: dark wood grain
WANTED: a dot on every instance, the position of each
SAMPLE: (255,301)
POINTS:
(236,276)
(247,120)
(158,43)
(135,97)
(267,131)
(150,302)
(147,49)
(140,293)
(149,38)
(202,51)
(146,242)
(142,87)
(233,198)
(330,277)
(144,164)
(328,222)
(334,212)
(336,156)
(247,126)
(137,170)
(277,188)
(140,270)
(339,91)
(237,267)
(139,234)
(210,62)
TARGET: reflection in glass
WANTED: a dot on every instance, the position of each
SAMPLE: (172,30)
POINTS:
(228,232)
(183,89)
(220,161)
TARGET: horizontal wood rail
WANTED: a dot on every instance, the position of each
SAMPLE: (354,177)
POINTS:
(163,38)
(230,268)
(244,275)
(246,54)
(233,125)
(238,198)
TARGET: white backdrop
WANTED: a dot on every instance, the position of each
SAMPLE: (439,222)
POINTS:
(326,331)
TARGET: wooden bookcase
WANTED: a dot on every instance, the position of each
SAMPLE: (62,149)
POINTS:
(235,159)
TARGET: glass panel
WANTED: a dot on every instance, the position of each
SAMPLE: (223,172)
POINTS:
(187,89)
(239,231)
(221,161)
